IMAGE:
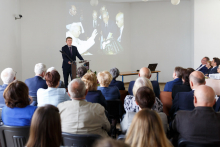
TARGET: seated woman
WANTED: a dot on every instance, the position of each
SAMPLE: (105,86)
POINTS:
(218,69)
(61,85)
(146,130)
(81,71)
(45,128)
(17,111)
(115,73)
(209,67)
(52,95)
(185,87)
(93,95)
(110,93)
(129,102)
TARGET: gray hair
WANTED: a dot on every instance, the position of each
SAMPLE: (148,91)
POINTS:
(140,82)
(114,72)
(50,69)
(77,88)
(7,75)
(39,68)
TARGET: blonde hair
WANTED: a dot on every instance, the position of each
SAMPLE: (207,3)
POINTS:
(104,78)
(90,81)
(140,82)
(146,130)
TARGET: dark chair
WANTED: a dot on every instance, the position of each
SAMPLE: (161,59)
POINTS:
(121,137)
(115,109)
(14,136)
(79,140)
(123,94)
(184,143)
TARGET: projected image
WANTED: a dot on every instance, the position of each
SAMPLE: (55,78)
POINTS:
(96,29)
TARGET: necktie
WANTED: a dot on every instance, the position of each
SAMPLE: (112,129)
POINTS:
(70,51)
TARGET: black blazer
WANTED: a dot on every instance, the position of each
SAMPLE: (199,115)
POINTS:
(213,70)
(180,88)
(118,84)
(73,57)
(182,101)
(200,125)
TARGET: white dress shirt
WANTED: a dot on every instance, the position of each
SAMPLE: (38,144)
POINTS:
(121,30)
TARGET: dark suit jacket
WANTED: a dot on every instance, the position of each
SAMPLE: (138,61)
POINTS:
(96,97)
(203,69)
(217,105)
(169,85)
(213,70)
(182,101)
(73,57)
(200,125)
(180,88)
(207,71)
(155,85)
(110,28)
(118,84)
(34,84)
(2,100)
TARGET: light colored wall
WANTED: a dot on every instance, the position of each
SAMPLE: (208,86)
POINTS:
(206,30)
(10,47)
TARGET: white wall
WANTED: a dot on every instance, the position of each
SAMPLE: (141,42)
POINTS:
(206,30)
(10,47)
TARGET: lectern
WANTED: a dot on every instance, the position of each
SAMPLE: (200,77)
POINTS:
(75,64)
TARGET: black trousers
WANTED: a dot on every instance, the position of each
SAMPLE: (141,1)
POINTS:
(66,74)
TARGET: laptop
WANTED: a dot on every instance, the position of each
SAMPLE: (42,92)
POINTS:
(152,67)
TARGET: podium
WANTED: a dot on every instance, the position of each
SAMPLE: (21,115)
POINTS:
(75,65)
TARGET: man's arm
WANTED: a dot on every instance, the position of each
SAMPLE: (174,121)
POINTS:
(78,55)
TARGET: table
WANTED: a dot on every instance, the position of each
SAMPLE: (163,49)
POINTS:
(129,73)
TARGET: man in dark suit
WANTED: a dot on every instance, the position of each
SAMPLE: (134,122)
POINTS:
(184,100)
(72,52)
(203,67)
(145,72)
(215,63)
(202,124)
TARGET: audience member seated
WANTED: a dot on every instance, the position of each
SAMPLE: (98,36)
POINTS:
(81,71)
(177,76)
(109,142)
(93,95)
(7,76)
(110,93)
(146,130)
(129,102)
(45,130)
(202,124)
(115,73)
(145,72)
(215,63)
(145,98)
(81,117)
(17,111)
(218,69)
(203,66)
(185,87)
(209,67)
(61,84)
(53,95)
(37,82)
(184,100)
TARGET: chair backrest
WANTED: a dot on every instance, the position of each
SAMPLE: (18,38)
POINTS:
(215,84)
(115,108)
(166,99)
(121,137)
(123,94)
(79,140)
(184,143)
(14,136)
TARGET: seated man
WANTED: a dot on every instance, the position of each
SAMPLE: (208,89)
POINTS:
(177,76)
(81,117)
(184,100)
(115,73)
(202,124)
(36,82)
(203,67)
(7,76)
(145,98)
(215,63)
(145,72)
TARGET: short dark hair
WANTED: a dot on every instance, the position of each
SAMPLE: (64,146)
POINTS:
(52,78)
(16,95)
(178,71)
(145,97)
(81,71)
(186,73)
(216,60)
(207,58)
(68,38)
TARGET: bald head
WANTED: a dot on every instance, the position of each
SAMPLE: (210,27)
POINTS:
(204,96)
(120,19)
(196,78)
(145,72)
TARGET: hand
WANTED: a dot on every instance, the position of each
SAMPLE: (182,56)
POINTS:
(69,62)
(31,99)
(94,34)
